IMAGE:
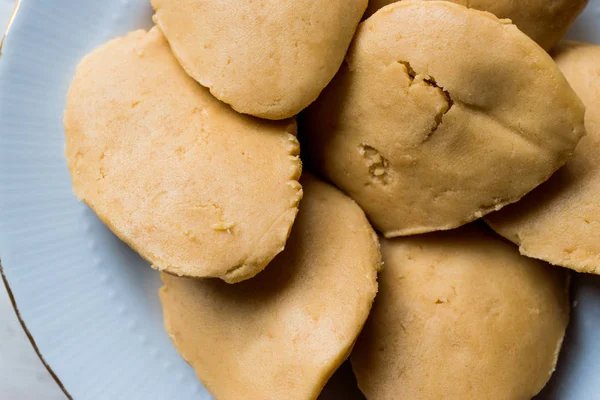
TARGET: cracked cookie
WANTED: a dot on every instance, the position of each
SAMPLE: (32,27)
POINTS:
(266,58)
(544,21)
(559,221)
(440,115)
(194,187)
(282,334)
(461,315)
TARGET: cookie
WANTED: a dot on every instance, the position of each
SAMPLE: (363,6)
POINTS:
(195,188)
(440,115)
(266,58)
(282,334)
(559,222)
(461,315)
(544,21)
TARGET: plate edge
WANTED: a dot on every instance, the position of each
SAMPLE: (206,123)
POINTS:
(13,301)
(9,24)
(29,336)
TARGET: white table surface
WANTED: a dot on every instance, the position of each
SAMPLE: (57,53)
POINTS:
(22,375)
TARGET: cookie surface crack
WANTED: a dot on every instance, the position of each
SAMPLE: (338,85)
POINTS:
(379,166)
(427,80)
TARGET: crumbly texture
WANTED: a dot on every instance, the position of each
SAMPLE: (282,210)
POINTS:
(560,221)
(460,315)
(195,188)
(440,115)
(544,21)
(282,334)
(263,57)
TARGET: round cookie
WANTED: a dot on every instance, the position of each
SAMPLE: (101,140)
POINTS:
(282,334)
(266,58)
(559,222)
(544,21)
(197,189)
(461,315)
(440,115)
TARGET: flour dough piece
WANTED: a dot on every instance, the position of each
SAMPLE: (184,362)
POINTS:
(440,115)
(461,315)
(268,58)
(544,21)
(282,334)
(197,189)
(560,221)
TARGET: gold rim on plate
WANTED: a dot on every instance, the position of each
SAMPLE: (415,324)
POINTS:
(10,21)
(4,279)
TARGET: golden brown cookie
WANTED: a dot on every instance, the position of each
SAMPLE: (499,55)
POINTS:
(197,189)
(282,334)
(461,315)
(560,221)
(266,58)
(440,115)
(544,21)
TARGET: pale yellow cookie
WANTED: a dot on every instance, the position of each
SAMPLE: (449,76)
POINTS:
(282,334)
(560,221)
(440,115)
(268,58)
(197,189)
(544,21)
(460,315)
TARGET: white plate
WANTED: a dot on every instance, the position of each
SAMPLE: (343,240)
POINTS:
(88,301)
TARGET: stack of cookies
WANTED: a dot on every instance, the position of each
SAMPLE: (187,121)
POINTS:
(422,126)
